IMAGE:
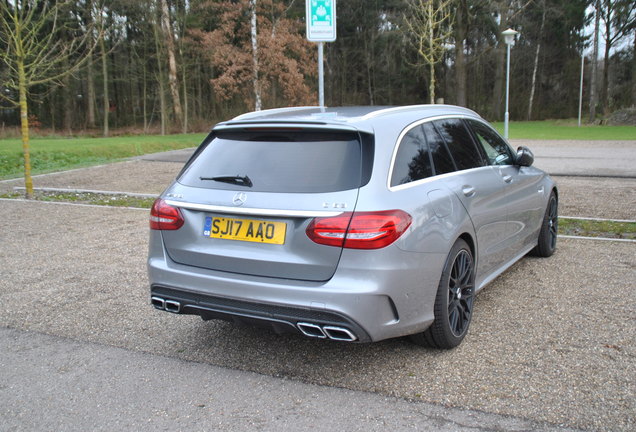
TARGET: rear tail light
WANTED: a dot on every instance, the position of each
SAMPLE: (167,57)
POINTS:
(164,216)
(360,230)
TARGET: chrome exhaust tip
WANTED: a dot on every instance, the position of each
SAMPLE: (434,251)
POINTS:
(311,330)
(339,334)
(173,306)
(158,303)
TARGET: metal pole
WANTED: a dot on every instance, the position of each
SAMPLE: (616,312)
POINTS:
(581,88)
(507,116)
(321,76)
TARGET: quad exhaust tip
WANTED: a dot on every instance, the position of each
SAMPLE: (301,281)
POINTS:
(331,332)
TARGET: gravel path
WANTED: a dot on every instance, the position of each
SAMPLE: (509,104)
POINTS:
(552,339)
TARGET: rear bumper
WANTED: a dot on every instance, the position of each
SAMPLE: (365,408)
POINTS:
(281,319)
(370,296)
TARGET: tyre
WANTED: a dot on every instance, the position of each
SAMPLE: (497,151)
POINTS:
(547,241)
(454,301)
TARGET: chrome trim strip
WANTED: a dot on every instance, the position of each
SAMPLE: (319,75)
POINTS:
(252,211)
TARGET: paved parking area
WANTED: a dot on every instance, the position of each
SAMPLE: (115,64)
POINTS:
(553,340)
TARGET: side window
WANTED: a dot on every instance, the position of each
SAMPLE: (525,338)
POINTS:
(460,143)
(412,161)
(442,160)
(496,149)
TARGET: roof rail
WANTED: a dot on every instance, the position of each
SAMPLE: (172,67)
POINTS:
(413,107)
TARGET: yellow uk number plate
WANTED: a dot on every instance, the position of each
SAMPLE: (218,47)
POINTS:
(245,230)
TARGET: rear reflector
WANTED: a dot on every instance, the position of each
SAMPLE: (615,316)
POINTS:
(360,230)
(164,216)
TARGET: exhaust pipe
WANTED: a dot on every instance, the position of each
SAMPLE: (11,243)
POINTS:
(311,330)
(339,334)
(331,332)
(173,306)
(158,303)
(166,305)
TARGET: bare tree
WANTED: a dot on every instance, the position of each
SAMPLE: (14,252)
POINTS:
(39,51)
(428,25)
(619,18)
(168,36)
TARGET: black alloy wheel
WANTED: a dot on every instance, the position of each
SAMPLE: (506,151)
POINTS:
(461,293)
(454,301)
(546,243)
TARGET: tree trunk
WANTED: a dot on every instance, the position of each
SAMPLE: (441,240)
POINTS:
(431,43)
(68,105)
(499,79)
(536,65)
(606,65)
(593,78)
(634,72)
(461,24)
(24,123)
(160,80)
(106,96)
(172,63)
(90,93)
(257,85)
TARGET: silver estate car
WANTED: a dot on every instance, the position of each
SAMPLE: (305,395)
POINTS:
(351,224)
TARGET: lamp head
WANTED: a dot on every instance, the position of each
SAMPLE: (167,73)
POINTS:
(509,36)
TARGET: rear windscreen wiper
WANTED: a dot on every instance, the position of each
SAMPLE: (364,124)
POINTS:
(237,180)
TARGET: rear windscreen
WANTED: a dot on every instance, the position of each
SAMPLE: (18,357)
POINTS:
(277,161)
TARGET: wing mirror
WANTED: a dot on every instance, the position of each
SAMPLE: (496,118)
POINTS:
(524,156)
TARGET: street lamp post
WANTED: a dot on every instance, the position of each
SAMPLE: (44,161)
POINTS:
(509,38)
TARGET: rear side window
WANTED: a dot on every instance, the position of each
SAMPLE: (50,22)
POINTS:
(278,161)
(460,143)
(412,161)
(442,160)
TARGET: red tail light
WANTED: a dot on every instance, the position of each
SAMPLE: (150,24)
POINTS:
(164,216)
(360,230)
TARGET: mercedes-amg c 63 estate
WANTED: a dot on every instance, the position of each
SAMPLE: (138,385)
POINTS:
(350,224)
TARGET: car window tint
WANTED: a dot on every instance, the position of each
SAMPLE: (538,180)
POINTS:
(278,161)
(496,149)
(460,143)
(442,161)
(412,161)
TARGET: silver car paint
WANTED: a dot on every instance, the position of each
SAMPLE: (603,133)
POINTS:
(389,292)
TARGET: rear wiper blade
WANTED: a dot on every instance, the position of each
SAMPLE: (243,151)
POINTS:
(237,180)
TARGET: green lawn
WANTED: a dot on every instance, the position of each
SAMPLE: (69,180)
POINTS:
(565,130)
(54,154)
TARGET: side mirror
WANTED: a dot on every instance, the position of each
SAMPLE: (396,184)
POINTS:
(524,156)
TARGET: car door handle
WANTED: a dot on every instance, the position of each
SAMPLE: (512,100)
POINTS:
(468,190)
(507,178)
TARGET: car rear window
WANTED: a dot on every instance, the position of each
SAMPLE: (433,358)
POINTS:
(278,161)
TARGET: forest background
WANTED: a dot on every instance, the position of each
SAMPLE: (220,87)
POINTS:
(166,66)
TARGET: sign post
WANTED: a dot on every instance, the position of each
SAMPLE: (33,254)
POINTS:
(321,28)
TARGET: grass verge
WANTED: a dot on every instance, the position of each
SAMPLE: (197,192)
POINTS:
(566,130)
(119,200)
(594,228)
(57,154)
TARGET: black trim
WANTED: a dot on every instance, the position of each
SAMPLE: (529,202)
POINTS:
(282,319)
